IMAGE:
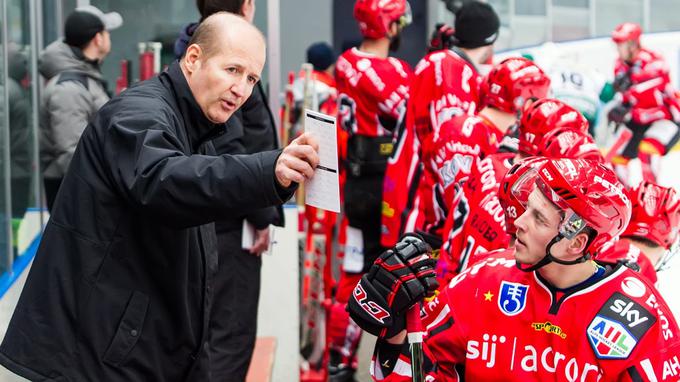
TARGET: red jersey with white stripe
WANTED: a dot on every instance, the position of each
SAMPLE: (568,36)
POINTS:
(651,95)
(445,85)
(371,92)
(496,323)
(475,223)
(449,155)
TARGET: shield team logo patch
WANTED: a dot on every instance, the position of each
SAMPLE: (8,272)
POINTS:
(512,298)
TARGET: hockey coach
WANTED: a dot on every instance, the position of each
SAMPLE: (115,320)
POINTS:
(121,286)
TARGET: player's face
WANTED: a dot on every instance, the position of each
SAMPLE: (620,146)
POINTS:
(535,228)
(626,50)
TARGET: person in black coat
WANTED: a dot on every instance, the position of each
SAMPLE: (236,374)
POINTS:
(122,286)
(233,325)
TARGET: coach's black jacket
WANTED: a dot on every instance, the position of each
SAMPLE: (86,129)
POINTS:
(121,287)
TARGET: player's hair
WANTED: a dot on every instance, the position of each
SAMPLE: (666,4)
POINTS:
(209,7)
(205,37)
(643,241)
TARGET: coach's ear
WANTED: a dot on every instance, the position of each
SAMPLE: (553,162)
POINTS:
(192,58)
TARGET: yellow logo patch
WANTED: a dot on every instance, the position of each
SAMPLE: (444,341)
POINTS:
(549,328)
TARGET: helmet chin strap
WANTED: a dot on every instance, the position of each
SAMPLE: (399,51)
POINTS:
(549,258)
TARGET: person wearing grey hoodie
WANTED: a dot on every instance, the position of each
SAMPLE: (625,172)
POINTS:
(75,89)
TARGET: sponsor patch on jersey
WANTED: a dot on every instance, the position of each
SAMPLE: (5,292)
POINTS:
(549,328)
(618,326)
(512,298)
(633,287)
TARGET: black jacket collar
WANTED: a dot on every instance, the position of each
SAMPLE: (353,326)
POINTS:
(465,57)
(199,127)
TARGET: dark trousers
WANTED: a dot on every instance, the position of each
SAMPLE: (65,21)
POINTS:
(233,319)
(51,189)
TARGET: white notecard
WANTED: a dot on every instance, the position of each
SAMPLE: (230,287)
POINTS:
(323,190)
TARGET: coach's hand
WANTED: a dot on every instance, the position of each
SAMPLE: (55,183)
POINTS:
(297,161)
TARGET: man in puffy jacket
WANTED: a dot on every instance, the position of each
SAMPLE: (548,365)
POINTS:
(75,89)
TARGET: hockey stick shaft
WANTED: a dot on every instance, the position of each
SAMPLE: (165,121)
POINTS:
(415,339)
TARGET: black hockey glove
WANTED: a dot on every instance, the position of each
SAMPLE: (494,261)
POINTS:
(399,278)
(619,113)
(442,38)
(622,82)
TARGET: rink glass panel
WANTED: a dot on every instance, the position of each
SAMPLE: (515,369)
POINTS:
(5,259)
(664,15)
(20,180)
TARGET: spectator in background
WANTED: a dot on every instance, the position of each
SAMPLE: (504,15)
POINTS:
(20,136)
(233,321)
(75,89)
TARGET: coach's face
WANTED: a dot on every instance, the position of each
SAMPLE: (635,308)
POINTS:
(221,79)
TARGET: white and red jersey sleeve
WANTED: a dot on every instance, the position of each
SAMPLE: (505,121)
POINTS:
(445,85)
(372,92)
(449,155)
(475,223)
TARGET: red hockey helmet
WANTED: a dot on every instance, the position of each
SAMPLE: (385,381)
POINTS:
(565,142)
(656,214)
(512,82)
(376,16)
(590,196)
(544,116)
(515,188)
(626,32)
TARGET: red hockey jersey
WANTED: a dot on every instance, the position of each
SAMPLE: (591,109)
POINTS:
(445,85)
(497,323)
(622,250)
(449,155)
(650,94)
(475,223)
(371,92)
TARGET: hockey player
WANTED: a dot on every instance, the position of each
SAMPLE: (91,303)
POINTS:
(450,152)
(372,91)
(646,105)
(446,84)
(475,223)
(541,312)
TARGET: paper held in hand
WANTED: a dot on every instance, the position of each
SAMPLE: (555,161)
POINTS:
(323,190)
